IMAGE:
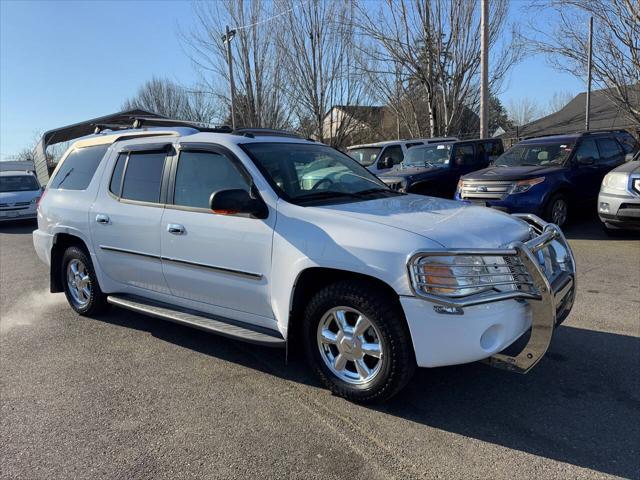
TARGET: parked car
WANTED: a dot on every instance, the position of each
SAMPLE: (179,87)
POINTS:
(381,157)
(546,176)
(225,233)
(619,199)
(19,195)
(435,169)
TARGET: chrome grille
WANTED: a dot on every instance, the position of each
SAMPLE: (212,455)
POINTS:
(14,206)
(482,189)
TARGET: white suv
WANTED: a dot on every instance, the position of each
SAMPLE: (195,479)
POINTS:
(282,241)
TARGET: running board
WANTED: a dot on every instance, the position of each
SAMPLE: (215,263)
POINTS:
(208,323)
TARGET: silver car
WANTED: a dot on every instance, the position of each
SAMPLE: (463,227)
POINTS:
(619,199)
(19,195)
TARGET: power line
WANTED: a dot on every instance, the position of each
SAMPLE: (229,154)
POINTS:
(242,27)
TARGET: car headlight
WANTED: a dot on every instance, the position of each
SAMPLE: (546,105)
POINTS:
(522,186)
(615,181)
(460,275)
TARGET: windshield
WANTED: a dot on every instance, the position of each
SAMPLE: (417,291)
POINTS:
(535,154)
(311,172)
(366,156)
(428,156)
(18,183)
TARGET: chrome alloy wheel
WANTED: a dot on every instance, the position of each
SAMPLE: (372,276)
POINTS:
(78,282)
(350,345)
(559,212)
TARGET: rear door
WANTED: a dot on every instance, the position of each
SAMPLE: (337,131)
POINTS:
(587,171)
(216,259)
(125,218)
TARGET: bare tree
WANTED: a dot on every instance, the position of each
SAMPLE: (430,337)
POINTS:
(523,110)
(319,60)
(164,97)
(616,45)
(257,61)
(558,101)
(436,43)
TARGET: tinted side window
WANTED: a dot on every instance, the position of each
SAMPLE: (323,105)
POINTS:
(609,150)
(199,174)
(587,149)
(143,177)
(78,168)
(409,145)
(395,152)
(463,155)
(116,178)
(629,144)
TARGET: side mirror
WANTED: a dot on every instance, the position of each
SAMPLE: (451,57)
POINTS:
(237,201)
(586,161)
(387,162)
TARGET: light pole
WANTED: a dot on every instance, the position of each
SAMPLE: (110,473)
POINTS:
(484,69)
(226,39)
(587,112)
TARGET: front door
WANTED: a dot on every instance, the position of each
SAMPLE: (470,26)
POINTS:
(219,260)
(587,171)
(125,221)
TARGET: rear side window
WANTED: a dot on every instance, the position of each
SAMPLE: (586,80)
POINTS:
(587,149)
(395,152)
(116,179)
(629,144)
(464,155)
(609,150)
(143,177)
(199,174)
(78,168)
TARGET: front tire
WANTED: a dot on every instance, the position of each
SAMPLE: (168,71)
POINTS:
(357,341)
(557,210)
(81,284)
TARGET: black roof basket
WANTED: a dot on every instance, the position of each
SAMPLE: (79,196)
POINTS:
(149,121)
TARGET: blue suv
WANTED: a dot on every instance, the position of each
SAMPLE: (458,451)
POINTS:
(548,176)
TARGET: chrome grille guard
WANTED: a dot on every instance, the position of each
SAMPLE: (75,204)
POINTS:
(548,289)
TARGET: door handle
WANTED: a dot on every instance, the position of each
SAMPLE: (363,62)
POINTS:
(175,228)
(102,219)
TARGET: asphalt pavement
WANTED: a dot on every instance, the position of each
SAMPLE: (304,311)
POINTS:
(132,397)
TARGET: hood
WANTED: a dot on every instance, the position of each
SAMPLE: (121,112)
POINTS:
(513,173)
(13,197)
(402,173)
(451,224)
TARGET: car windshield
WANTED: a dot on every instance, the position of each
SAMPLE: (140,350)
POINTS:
(435,155)
(18,183)
(535,154)
(305,173)
(365,156)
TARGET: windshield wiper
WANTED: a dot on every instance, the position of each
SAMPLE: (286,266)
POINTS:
(370,191)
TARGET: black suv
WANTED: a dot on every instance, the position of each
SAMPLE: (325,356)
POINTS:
(435,169)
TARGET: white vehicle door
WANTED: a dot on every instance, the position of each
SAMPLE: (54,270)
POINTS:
(218,259)
(125,218)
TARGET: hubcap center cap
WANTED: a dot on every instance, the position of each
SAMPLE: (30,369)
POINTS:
(350,346)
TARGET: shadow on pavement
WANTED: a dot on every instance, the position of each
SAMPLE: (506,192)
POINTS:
(18,226)
(587,226)
(580,405)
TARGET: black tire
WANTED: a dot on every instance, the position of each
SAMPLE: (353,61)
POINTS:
(552,204)
(384,312)
(96,300)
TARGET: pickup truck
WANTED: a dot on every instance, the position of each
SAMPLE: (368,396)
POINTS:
(435,169)
(282,242)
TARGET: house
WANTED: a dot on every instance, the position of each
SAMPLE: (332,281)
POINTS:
(605,114)
(352,123)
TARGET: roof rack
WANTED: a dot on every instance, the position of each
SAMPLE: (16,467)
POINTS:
(270,132)
(142,121)
(587,132)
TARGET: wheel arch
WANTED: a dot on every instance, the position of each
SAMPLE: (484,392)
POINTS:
(62,241)
(312,279)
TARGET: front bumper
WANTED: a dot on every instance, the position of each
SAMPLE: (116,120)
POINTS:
(622,211)
(447,331)
(8,215)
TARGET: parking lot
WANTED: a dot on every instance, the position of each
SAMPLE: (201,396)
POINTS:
(129,396)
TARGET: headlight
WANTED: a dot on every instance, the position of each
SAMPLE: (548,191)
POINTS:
(522,186)
(616,181)
(458,275)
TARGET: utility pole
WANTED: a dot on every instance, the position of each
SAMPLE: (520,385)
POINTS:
(226,38)
(484,69)
(587,113)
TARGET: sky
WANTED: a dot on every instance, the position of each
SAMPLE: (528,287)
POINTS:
(66,61)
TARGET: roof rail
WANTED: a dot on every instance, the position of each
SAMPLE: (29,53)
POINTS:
(585,132)
(271,132)
(142,121)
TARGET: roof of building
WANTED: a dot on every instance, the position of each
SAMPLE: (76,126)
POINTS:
(571,118)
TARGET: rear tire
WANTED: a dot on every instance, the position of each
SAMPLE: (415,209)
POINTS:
(357,341)
(81,284)
(557,210)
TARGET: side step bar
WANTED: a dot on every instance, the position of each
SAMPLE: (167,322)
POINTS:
(191,318)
